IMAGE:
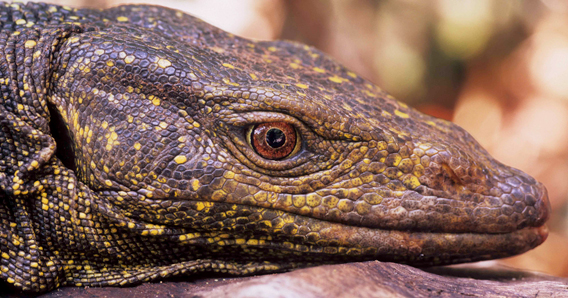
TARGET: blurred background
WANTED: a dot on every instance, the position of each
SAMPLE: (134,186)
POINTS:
(497,68)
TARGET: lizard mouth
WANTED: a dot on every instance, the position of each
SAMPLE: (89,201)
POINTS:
(425,248)
(278,233)
(345,242)
(310,235)
(306,238)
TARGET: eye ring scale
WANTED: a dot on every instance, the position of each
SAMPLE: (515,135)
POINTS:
(273,140)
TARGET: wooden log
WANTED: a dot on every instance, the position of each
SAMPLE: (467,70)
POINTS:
(365,279)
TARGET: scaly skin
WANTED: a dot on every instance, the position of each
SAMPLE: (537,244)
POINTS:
(154,175)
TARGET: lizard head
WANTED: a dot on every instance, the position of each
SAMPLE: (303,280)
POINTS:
(274,150)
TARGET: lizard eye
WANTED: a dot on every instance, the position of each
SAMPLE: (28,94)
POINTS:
(273,140)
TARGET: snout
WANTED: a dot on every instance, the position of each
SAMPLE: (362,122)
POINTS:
(524,196)
(480,194)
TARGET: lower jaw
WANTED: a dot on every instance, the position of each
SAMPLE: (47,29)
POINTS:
(343,242)
(425,249)
(339,243)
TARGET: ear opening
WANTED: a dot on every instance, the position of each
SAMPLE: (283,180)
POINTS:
(64,143)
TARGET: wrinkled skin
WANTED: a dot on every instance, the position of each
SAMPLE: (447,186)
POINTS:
(125,158)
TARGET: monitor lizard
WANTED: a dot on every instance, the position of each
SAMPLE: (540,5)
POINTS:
(139,143)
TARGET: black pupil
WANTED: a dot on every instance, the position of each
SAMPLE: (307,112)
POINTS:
(275,138)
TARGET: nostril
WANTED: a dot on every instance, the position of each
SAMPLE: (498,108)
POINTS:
(449,177)
(443,178)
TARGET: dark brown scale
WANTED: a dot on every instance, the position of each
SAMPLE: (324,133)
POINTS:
(124,158)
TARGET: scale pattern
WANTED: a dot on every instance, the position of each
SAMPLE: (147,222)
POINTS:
(124,158)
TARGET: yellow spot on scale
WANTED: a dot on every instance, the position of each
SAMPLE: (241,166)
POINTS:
(195,184)
(180,159)
(228,65)
(369,93)
(252,242)
(351,74)
(303,86)
(336,79)
(99,52)
(411,182)
(163,63)
(228,82)
(253,76)
(320,70)
(137,146)
(122,19)
(30,44)
(20,22)
(108,182)
(129,59)
(294,65)
(199,206)
(401,114)
(156,101)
